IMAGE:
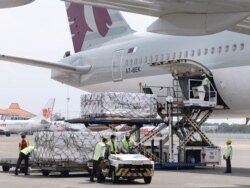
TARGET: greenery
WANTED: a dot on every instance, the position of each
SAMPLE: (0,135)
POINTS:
(225,128)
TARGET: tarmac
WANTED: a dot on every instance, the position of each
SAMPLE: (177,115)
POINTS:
(206,177)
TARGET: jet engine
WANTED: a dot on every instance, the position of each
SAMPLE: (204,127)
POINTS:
(14,3)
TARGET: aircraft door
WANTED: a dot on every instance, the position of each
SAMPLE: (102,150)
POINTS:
(117,65)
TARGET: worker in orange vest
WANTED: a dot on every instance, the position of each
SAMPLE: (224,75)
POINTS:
(23,143)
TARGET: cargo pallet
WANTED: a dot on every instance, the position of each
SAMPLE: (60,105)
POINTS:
(115,120)
(64,167)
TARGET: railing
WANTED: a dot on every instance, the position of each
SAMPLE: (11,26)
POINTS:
(196,89)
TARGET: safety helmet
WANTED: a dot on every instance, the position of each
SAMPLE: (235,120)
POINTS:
(229,141)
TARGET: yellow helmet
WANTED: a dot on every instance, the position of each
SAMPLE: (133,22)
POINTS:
(229,141)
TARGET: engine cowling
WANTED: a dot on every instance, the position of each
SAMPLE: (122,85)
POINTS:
(14,3)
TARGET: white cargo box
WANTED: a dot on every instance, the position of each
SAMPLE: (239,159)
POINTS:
(125,105)
(212,155)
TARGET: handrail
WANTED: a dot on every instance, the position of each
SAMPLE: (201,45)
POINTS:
(210,91)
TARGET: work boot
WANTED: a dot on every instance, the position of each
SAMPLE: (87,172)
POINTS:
(92,180)
(16,173)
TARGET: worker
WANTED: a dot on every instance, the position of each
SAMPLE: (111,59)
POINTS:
(24,155)
(127,144)
(228,156)
(112,145)
(206,84)
(23,142)
(99,155)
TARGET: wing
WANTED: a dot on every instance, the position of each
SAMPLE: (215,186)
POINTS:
(49,65)
(242,27)
(185,17)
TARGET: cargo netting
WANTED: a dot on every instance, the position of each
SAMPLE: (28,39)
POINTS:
(114,104)
(77,147)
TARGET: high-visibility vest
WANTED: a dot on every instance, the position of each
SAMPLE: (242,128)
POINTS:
(27,150)
(229,151)
(127,145)
(205,82)
(113,146)
(99,151)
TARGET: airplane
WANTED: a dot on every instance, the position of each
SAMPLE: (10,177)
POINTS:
(110,56)
(61,125)
(34,124)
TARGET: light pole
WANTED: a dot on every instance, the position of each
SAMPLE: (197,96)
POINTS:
(68,99)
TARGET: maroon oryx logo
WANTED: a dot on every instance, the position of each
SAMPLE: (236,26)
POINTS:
(79,26)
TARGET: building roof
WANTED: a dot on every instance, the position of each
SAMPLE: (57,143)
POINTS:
(15,110)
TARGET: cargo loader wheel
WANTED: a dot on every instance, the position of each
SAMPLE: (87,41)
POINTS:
(45,172)
(147,180)
(64,173)
(5,168)
(114,178)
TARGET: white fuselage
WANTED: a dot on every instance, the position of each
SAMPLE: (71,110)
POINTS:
(122,65)
(18,126)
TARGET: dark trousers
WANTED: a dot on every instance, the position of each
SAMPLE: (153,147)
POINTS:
(206,98)
(228,164)
(96,171)
(26,162)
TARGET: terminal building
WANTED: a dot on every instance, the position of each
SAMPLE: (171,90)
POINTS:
(14,112)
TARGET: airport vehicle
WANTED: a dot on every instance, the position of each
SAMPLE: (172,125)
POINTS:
(23,126)
(170,144)
(130,166)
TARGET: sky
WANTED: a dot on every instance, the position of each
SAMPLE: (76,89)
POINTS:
(40,31)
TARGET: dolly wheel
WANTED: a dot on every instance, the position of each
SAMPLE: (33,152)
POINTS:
(147,180)
(6,168)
